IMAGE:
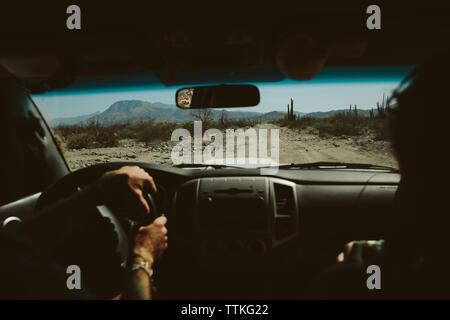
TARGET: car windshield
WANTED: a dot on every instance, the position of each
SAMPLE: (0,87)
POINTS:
(338,117)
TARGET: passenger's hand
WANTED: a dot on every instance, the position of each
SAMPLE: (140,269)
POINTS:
(151,240)
(130,187)
(362,252)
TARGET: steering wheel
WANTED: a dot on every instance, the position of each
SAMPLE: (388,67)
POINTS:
(124,229)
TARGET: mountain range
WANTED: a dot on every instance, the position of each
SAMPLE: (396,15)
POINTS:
(137,110)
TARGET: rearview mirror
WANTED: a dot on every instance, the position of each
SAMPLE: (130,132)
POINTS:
(220,96)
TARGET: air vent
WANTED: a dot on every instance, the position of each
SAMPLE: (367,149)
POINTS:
(284,200)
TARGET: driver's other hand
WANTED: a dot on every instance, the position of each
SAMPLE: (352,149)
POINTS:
(136,179)
(151,241)
(362,252)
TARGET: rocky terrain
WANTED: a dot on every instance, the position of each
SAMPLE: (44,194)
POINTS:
(128,150)
(295,147)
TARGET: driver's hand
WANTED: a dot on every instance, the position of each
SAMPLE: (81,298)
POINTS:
(130,187)
(362,252)
(151,241)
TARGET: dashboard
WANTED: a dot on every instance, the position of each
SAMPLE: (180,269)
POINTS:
(266,235)
(254,214)
(321,203)
(230,228)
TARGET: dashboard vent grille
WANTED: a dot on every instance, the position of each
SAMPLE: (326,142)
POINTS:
(284,199)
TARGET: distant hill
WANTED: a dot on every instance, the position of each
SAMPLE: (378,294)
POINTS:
(275,115)
(137,110)
(70,120)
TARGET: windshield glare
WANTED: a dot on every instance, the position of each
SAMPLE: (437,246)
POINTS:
(339,117)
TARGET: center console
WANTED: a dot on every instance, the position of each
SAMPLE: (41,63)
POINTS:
(226,218)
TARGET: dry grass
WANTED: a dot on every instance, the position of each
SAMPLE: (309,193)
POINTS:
(348,124)
(94,135)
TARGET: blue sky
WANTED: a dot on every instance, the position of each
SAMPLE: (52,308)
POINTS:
(331,89)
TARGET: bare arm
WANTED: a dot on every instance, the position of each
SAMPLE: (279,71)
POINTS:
(139,285)
(150,244)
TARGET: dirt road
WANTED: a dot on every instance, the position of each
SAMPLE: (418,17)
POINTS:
(294,147)
(306,146)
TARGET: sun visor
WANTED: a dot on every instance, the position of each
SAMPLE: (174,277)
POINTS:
(32,68)
(301,58)
(38,74)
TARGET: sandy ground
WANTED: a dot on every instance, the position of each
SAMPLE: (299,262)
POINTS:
(295,147)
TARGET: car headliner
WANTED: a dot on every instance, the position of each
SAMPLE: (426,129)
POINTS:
(141,37)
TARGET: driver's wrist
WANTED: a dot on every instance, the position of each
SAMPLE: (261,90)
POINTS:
(139,257)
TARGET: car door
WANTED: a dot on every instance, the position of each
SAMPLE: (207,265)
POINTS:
(30,158)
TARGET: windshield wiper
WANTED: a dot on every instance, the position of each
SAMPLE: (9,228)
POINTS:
(336,165)
(203,165)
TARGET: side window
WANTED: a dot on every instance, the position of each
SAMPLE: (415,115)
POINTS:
(31,160)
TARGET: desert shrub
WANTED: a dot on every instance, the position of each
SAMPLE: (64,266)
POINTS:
(280,122)
(296,122)
(151,133)
(79,141)
(301,123)
(341,124)
(155,132)
(189,126)
(106,137)
(206,116)
(130,130)
(102,136)
(349,124)
(380,127)
(223,121)
(66,131)
(242,123)
(92,135)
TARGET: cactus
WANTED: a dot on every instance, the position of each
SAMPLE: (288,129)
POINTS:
(290,111)
(383,108)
